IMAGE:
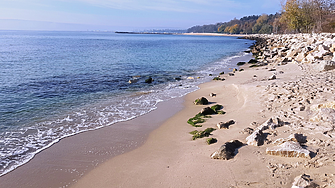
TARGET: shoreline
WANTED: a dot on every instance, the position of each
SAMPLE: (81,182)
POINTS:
(288,139)
(71,157)
(74,156)
(190,34)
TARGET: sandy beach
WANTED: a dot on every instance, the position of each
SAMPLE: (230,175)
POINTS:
(286,148)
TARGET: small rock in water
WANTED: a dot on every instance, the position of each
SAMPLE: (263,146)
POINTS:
(149,80)
(227,151)
(133,81)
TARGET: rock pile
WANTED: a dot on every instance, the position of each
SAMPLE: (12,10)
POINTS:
(317,49)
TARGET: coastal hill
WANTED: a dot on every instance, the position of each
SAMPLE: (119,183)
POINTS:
(296,17)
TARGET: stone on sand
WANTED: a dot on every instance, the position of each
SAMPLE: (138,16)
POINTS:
(227,150)
(289,149)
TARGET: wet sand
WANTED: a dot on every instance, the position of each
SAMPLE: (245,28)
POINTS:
(68,160)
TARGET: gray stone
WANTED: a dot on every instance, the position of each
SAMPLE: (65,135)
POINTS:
(273,77)
(201,101)
(289,149)
(225,125)
(303,181)
(227,150)
(256,138)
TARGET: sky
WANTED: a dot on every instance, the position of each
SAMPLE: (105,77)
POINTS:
(127,15)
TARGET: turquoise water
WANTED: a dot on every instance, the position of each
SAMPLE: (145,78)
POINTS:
(57,84)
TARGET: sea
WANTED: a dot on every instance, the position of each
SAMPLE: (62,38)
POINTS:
(57,84)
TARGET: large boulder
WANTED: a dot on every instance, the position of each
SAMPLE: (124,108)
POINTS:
(227,150)
(289,149)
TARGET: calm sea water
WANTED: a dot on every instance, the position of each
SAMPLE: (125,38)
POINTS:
(57,84)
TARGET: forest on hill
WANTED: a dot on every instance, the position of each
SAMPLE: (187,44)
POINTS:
(297,16)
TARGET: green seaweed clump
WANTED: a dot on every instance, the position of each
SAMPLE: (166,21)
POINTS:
(199,118)
(200,134)
(211,141)
(216,107)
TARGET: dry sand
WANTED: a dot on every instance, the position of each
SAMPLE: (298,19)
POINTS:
(170,158)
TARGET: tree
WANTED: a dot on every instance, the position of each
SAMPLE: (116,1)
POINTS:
(234,29)
(306,15)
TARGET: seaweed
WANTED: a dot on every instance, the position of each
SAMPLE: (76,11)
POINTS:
(199,118)
(201,134)
(211,141)
(216,108)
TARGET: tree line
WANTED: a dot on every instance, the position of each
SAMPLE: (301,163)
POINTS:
(297,16)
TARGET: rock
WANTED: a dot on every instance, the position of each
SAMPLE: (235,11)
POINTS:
(149,80)
(177,78)
(226,125)
(303,181)
(324,112)
(201,101)
(273,77)
(256,138)
(288,149)
(300,138)
(133,81)
(325,65)
(247,130)
(325,115)
(252,61)
(300,57)
(271,123)
(207,111)
(231,74)
(227,151)
(212,95)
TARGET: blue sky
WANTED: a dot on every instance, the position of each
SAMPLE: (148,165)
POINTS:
(131,14)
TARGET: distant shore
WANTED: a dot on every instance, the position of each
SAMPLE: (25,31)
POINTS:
(191,34)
